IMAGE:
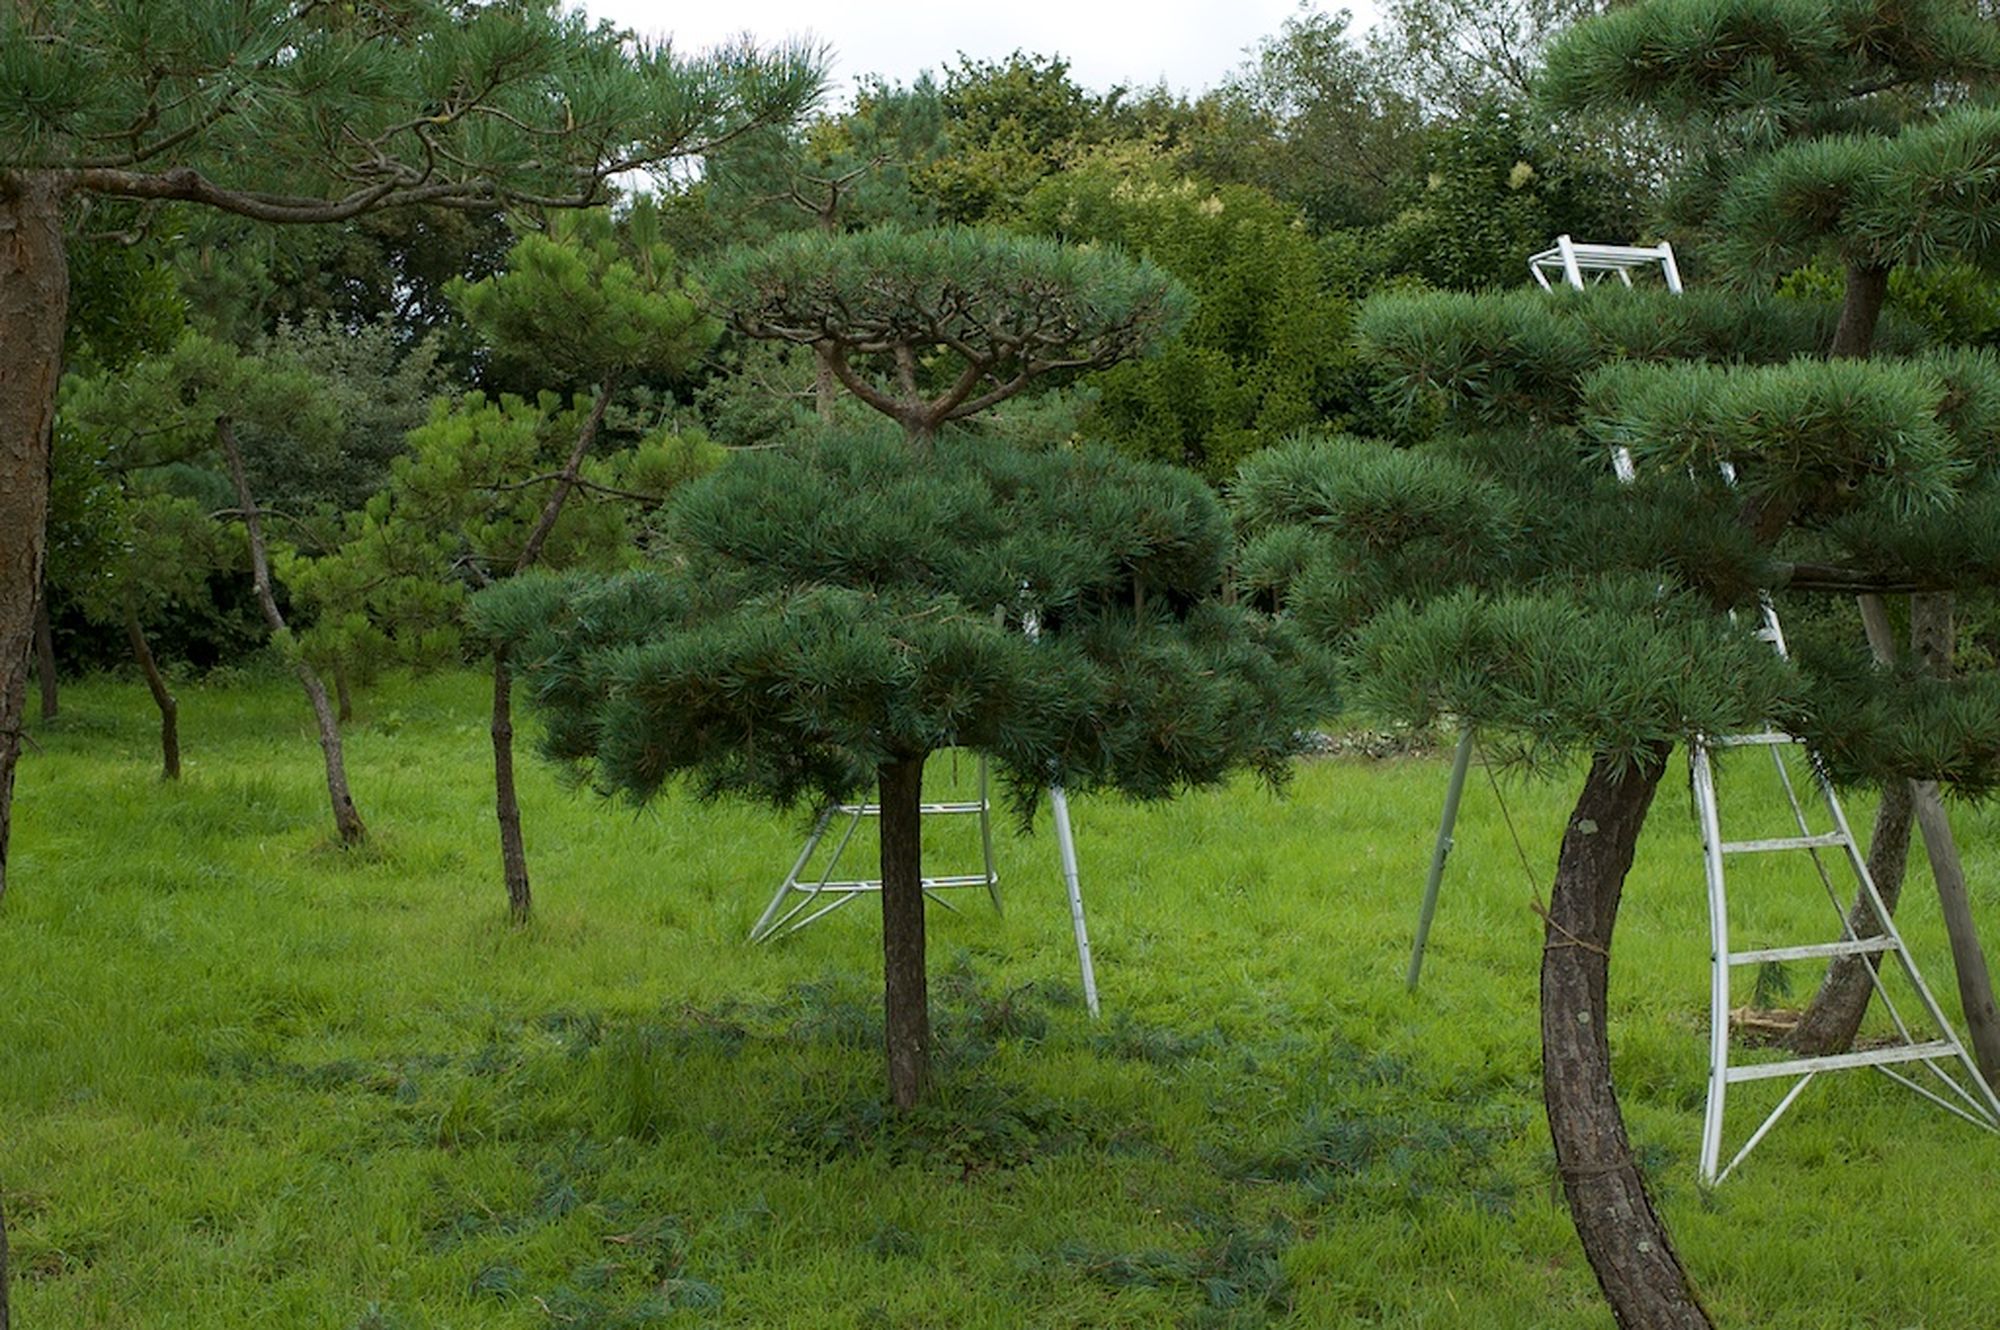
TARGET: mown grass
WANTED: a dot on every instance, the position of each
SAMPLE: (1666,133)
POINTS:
(249,1080)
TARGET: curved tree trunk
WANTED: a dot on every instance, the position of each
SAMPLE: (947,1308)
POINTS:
(346,817)
(45,659)
(906,1021)
(34,307)
(170,733)
(513,850)
(1622,1234)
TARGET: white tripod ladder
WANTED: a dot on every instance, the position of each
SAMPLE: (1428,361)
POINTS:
(1944,1056)
(804,898)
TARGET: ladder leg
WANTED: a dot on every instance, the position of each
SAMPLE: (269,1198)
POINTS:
(764,927)
(1447,822)
(1982,1093)
(1703,776)
(1066,844)
(986,838)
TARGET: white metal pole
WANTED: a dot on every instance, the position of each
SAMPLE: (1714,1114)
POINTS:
(1066,844)
(1718,932)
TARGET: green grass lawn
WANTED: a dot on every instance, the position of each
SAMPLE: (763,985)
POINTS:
(249,1080)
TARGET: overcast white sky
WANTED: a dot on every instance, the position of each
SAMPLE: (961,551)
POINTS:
(1188,43)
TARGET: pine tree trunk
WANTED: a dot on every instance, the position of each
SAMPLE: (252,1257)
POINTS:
(1622,1234)
(170,733)
(1931,635)
(1834,1017)
(1860,310)
(3,1268)
(346,817)
(906,997)
(34,307)
(824,388)
(45,658)
(506,805)
(513,851)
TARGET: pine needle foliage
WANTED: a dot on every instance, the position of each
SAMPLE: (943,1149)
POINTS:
(828,611)
(932,326)
(279,109)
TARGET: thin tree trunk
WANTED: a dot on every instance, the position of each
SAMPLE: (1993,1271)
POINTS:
(34,307)
(513,850)
(905,989)
(170,733)
(506,803)
(45,658)
(1834,1017)
(1622,1234)
(1931,635)
(3,1268)
(1860,310)
(346,817)
(343,697)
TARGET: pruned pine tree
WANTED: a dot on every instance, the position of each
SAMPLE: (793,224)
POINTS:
(930,327)
(834,615)
(1495,573)
(296,111)
(1860,134)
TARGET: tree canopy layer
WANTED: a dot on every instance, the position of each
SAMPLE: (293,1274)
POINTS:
(840,607)
(933,326)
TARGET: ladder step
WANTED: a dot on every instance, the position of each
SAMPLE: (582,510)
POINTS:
(1823,841)
(861,884)
(875,810)
(1873,1057)
(1764,739)
(1846,947)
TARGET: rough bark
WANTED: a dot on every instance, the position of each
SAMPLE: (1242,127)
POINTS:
(1834,1017)
(1860,310)
(1931,635)
(45,660)
(163,698)
(34,307)
(513,850)
(1622,1234)
(905,989)
(346,817)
